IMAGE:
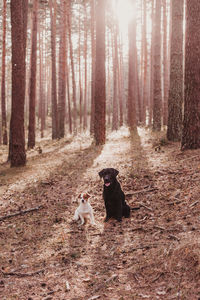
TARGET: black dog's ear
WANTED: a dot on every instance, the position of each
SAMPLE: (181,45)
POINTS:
(115,172)
(101,173)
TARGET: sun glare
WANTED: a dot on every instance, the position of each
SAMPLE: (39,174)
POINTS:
(124,12)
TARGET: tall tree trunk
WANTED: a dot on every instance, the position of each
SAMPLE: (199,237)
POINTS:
(120,85)
(165,63)
(79,67)
(32,92)
(53,71)
(62,71)
(175,101)
(132,61)
(191,123)
(3,82)
(69,10)
(69,101)
(85,60)
(109,75)
(19,11)
(115,118)
(100,80)
(144,61)
(93,65)
(41,82)
(151,89)
(157,95)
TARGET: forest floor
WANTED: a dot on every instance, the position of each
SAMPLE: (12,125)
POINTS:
(153,255)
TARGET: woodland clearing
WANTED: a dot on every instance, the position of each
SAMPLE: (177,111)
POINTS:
(153,255)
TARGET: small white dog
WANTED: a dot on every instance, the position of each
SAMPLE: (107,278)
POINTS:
(84,210)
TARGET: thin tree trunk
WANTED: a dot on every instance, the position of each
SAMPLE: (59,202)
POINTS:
(41,82)
(3,82)
(72,69)
(32,95)
(69,101)
(165,63)
(100,80)
(115,119)
(157,98)
(120,85)
(85,60)
(132,119)
(53,70)
(151,88)
(93,47)
(80,73)
(62,71)
(144,43)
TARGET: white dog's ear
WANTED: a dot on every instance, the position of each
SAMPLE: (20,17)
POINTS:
(87,196)
(79,196)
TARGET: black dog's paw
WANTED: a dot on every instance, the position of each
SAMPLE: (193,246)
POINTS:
(126,211)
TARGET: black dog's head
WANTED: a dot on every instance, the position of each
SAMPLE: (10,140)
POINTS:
(109,176)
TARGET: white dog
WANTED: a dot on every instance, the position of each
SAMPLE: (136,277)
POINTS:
(84,210)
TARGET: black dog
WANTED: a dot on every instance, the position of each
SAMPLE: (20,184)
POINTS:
(113,196)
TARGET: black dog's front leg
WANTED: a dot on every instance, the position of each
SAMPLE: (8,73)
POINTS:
(108,215)
(118,212)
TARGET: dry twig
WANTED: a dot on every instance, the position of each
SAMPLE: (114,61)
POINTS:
(22,274)
(21,212)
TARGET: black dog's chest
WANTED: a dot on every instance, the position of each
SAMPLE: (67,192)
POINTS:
(113,195)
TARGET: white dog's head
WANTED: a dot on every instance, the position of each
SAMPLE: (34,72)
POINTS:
(83,198)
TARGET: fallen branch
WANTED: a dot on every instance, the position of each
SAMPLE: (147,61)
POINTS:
(194,203)
(20,213)
(22,274)
(112,278)
(141,191)
(147,247)
(159,228)
(188,158)
(148,208)
(157,277)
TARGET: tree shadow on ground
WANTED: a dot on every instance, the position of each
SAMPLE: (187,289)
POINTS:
(37,240)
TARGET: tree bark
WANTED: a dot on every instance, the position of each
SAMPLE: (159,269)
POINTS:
(191,123)
(175,100)
(32,93)
(132,86)
(93,47)
(100,80)
(3,82)
(165,63)
(72,68)
(144,62)
(62,71)
(115,109)
(19,10)
(85,60)
(54,108)
(157,91)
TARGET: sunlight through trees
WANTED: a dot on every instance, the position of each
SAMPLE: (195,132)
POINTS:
(65,63)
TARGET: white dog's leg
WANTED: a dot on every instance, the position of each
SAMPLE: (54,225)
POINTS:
(82,219)
(92,218)
(76,216)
